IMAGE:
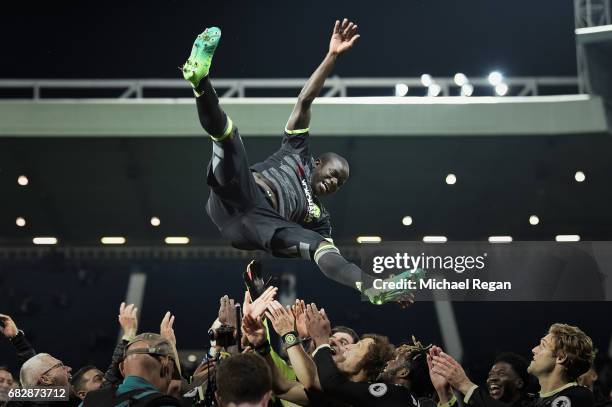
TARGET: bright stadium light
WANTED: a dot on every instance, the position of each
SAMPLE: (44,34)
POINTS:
(155,221)
(460,79)
(192,358)
(21,222)
(579,176)
(501,89)
(467,90)
(534,220)
(567,238)
(434,90)
(401,89)
(23,180)
(495,78)
(44,240)
(176,240)
(369,239)
(426,80)
(113,240)
(407,220)
(500,239)
(434,239)
(451,179)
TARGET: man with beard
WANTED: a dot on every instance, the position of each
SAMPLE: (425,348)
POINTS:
(508,379)
(559,359)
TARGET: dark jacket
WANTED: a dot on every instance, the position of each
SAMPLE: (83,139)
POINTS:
(112,376)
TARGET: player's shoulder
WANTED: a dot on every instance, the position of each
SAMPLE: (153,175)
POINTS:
(392,391)
(573,396)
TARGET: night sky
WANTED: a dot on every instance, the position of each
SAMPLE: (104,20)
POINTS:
(150,39)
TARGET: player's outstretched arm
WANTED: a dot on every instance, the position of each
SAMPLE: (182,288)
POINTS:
(343,37)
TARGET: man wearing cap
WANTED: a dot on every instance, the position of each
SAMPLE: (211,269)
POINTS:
(149,364)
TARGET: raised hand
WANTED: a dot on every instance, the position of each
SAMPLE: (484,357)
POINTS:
(227,313)
(8,326)
(282,320)
(343,37)
(318,324)
(166,328)
(256,308)
(128,319)
(439,382)
(299,313)
(447,367)
(254,330)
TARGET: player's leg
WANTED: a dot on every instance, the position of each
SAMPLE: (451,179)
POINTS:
(309,245)
(229,156)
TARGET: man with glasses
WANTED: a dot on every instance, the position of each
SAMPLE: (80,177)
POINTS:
(43,370)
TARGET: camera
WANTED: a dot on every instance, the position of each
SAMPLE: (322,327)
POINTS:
(223,336)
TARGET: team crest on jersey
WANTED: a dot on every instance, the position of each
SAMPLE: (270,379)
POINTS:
(378,389)
(561,401)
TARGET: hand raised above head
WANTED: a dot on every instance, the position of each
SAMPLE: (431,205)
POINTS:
(343,37)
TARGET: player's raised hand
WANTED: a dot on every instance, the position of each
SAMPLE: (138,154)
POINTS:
(318,324)
(299,313)
(343,37)
(166,328)
(254,330)
(282,320)
(256,308)
(128,319)
(447,367)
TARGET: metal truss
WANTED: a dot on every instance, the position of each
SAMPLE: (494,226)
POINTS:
(35,89)
(588,13)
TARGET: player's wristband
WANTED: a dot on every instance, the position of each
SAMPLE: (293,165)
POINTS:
(263,349)
(291,339)
(449,403)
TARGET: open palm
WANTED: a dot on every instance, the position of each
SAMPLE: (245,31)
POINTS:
(343,36)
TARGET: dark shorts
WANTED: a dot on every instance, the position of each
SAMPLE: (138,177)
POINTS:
(244,217)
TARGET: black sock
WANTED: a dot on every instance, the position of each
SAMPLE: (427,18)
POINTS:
(337,268)
(212,118)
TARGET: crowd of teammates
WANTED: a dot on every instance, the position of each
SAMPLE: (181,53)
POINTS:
(318,364)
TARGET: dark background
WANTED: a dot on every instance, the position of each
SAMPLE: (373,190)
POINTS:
(150,39)
(81,189)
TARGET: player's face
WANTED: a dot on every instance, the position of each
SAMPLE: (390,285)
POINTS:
(544,360)
(395,369)
(328,176)
(349,361)
(503,383)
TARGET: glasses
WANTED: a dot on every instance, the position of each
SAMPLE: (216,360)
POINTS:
(60,364)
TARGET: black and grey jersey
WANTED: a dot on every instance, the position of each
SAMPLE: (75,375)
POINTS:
(289,170)
(570,395)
